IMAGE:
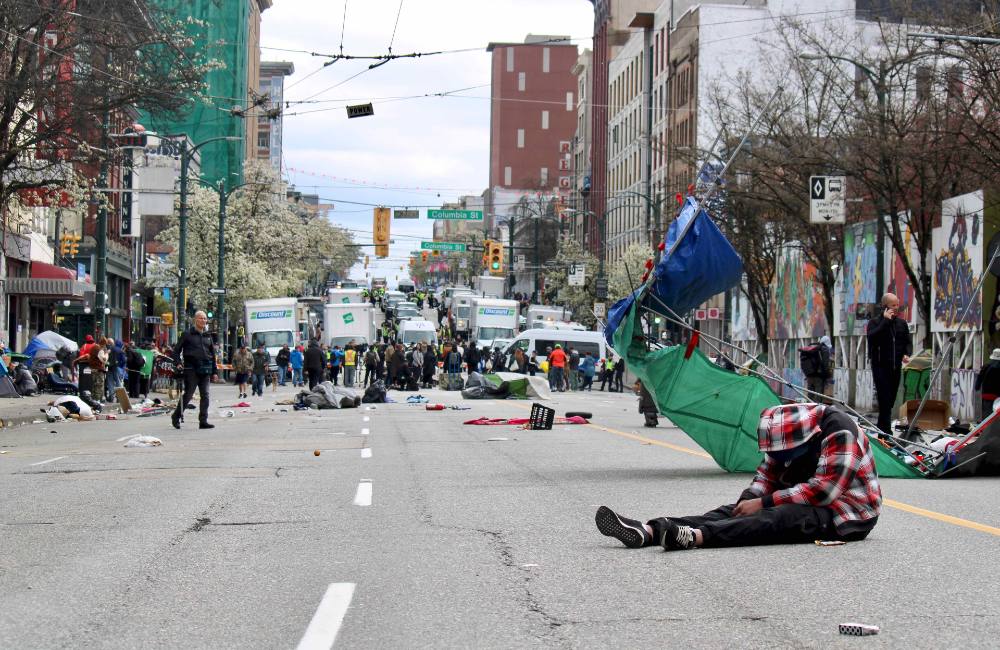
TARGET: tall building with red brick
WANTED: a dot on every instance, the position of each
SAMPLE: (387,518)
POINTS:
(532,117)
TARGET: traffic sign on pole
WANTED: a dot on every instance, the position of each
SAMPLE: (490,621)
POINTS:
(217,291)
(827,199)
(443,246)
(462,215)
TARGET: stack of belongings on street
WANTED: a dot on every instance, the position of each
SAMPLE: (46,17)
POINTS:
(327,396)
(505,385)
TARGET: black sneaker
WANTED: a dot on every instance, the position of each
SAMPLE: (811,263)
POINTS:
(676,538)
(175,420)
(629,532)
(206,425)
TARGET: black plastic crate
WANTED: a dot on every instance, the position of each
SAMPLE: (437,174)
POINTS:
(542,417)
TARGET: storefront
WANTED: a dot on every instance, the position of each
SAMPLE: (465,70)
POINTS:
(35,300)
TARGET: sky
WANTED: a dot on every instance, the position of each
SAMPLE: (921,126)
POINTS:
(416,150)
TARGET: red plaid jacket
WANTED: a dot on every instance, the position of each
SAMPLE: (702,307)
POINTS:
(845,479)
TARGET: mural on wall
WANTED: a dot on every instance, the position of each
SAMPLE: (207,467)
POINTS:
(741,316)
(964,402)
(858,278)
(794,377)
(864,391)
(797,308)
(897,281)
(958,263)
(842,384)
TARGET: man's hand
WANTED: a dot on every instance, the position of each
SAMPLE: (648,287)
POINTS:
(889,313)
(748,507)
(906,359)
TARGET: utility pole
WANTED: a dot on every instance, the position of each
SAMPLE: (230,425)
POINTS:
(182,240)
(649,138)
(101,234)
(220,305)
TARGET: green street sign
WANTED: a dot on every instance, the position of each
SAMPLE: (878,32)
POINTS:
(442,246)
(464,215)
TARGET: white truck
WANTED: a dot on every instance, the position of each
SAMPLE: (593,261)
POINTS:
(273,322)
(544,316)
(461,313)
(345,296)
(489,286)
(492,320)
(346,322)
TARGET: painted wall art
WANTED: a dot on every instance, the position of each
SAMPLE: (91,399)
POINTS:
(958,264)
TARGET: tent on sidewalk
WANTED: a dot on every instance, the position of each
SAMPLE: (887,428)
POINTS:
(47,344)
(501,385)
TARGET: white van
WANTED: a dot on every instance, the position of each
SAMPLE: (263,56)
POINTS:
(539,340)
(417,331)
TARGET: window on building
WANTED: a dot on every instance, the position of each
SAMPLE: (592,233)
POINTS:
(510,59)
(263,139)
(545,120)
(545,59)
(569,101)
(521,81)
(520,138)
(507,176)
(544,176)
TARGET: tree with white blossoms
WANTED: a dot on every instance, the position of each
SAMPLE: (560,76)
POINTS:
(626,273)
(557,289)
(272,248)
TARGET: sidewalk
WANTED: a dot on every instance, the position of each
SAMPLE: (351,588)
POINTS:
(25,410)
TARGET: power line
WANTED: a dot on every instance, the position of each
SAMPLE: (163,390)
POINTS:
(393,39)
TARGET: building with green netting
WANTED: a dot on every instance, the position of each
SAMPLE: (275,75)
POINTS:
(227,31)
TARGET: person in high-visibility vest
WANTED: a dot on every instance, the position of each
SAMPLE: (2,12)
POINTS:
(350,364)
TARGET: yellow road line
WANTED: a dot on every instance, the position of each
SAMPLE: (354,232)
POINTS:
(892,503)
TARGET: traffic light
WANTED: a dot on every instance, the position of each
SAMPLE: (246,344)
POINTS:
(423,256)
(380,226)
(496,257)
(64,244)
(486,252)
(436,253)
(74,247)
(210,313)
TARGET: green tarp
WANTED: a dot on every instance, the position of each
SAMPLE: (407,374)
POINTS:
(717,408)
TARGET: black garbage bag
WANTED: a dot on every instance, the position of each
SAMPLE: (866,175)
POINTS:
(375,394)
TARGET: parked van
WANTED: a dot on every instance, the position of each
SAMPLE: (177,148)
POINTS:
(539,340)
(417,331)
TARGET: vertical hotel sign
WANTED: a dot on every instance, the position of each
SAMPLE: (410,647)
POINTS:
(380,231)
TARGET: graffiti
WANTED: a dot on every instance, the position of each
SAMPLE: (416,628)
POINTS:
(742,321)
(958,263)
(864,391)
(859,274)
(798,308)
(899,281)
(963,395)
(794,377)
(842,384)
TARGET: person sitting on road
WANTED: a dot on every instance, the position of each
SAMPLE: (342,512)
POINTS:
(817,481)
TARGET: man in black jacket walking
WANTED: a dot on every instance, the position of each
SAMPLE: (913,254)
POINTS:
(889,347)
(195,353)
(314,362)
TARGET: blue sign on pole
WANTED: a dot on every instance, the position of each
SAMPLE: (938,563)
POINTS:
(81,271)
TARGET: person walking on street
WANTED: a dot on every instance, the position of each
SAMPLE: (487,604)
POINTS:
(296,359)
(587,371)
(430,366)
(889,347)
(115,362)
(195,353)
(573,368)
(243,366)
(557,366)
(261,365)
(134,363)
(619,375)
(647,405)
(314,363)
(282,359)
(350,364)
(371,366)
(607,368)
(336,363)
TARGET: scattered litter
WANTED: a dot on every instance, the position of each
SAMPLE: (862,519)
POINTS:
(434,407)
(109,416)
(456,407)
(583,414)
(416,399)
(858,629)
(144,441)
(227,414)
(37,421)
(528,566)
(832,542)
(316,453)
(542,417)
(246,405)
(4,452)
(497,439)
(521,421)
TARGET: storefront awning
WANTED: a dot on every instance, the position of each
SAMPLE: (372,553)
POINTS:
(49,281)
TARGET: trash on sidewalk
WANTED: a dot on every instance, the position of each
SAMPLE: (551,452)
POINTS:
(416,399)
(522,421)
(227,413)
(434,407)
(858,629)
(497,439)
(144,441)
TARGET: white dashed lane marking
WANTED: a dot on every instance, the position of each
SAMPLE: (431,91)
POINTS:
(329,616)
(363,497)
(45,462)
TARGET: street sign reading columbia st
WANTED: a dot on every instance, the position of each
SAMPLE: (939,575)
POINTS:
(462,215)
(442,246)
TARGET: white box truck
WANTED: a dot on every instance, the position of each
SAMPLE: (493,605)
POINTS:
(489,286)
(545,316)
(273,322)
(492,320)
(346,322)
(345,296)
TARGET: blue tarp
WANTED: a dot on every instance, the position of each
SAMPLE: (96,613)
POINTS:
(700,266)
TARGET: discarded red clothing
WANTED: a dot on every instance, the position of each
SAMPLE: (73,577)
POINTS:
(576,419)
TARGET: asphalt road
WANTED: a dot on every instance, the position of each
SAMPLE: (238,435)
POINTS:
(474,537)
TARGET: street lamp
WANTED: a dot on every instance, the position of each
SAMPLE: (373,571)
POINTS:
(878,81)
(186,155)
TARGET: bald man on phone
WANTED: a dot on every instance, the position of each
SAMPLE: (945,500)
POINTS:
(889,347)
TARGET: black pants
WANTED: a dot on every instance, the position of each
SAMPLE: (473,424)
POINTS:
(133,383)
(334,373)
(784,524)
(315,376)
(369,375)
(886,384)
(193,380)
